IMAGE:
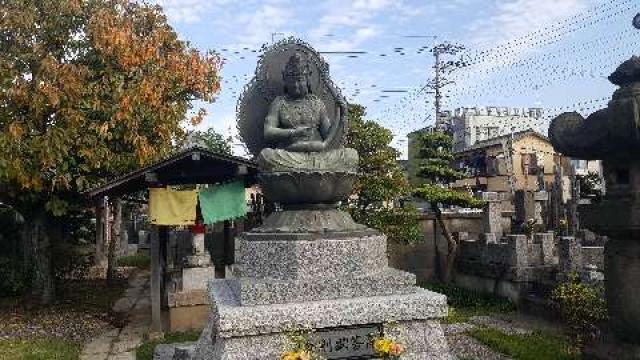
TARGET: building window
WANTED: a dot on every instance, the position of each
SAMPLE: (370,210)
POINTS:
(530,164)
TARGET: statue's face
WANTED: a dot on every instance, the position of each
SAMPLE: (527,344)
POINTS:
(297,86)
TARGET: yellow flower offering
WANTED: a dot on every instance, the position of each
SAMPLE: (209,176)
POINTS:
(295,355)
(382,346)
(387,347)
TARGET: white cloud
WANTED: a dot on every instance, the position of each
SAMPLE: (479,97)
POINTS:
(512,20)
(256,27)
(515,18)
(188,11)
(248,22)
(354,21)
(358,36)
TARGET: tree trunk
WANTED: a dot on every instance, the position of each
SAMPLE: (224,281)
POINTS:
(439,256)
(27,252)
(114,241)
(102,222)
(36,238)
(452,248)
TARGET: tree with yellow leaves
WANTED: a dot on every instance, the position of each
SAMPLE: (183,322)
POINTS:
(89,89)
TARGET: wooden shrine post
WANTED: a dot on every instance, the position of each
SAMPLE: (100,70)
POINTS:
(156,284)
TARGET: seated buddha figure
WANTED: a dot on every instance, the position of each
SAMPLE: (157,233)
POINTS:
(298,132)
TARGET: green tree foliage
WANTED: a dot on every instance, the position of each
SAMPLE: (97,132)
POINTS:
(380,182)
(590,185)
(435,150)
(89,89)
(210,139)
(582,307)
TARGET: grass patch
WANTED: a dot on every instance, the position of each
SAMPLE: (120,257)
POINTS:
(463,303)
(140,261)
(9,302)
(43,349)
(91,295)
(534,346)
(145,350)
(81,310)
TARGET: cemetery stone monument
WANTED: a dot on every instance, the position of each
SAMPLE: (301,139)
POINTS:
(492,214)
(525,208)
(197,267)
(613,135)
(310,266)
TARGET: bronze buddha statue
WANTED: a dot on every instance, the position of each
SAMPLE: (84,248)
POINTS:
(293,119)
(298,131)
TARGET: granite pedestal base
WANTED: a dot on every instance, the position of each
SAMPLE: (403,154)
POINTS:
(197,278)
(237,332)
(199,260)
(326,284)
(191,287)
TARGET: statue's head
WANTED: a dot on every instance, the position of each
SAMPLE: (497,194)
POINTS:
(296,76)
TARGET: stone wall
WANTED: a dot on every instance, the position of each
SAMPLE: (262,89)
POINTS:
(420,258)
(593,255)
(586,261)
(518,266)
(515,257)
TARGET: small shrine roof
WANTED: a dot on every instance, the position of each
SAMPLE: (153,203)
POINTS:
(194,165)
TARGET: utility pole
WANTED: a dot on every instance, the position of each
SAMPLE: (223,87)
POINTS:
(438,86)
(440,81)
(574,219)
(510,169)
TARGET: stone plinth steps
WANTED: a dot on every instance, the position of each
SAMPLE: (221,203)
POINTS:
(331,285)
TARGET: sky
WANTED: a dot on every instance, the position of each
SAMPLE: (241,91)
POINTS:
(553,54)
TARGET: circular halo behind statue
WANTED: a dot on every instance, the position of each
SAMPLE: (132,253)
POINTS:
(268,83)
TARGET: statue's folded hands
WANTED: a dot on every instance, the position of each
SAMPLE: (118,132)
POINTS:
(279,160)
(307,146)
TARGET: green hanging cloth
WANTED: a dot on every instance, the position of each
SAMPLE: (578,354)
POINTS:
(223,202)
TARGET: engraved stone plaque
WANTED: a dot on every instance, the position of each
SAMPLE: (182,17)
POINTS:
(347,342)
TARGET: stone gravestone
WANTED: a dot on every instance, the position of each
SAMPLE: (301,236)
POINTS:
(612,134)
(309,266)
(569,257)
(197,267)
(524,207)
(492,214)
(541,199)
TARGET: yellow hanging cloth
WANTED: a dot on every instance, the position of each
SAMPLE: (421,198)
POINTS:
(172,207)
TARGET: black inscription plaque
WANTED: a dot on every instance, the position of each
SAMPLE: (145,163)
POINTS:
(351,343)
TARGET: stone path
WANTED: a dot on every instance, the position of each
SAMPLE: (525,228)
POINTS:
(463,346)
(121,343)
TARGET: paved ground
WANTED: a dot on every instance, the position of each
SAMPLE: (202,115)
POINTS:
(121,343)
(465,347)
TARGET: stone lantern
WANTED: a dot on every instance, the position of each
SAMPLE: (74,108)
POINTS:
(612,134)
